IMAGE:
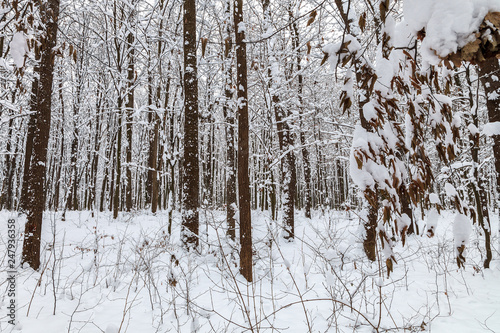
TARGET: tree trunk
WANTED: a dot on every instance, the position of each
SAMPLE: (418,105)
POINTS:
(231,204)
(190,194)
(49,11)
(243,148)
(478,187)
(488,71)
(95,152)
(118,166)
(130,111)
(287,169)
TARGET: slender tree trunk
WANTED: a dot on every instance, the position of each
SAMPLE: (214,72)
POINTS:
(117,169)
(95,153)
(190,194)
(72,203)
(152,179)
(246,264)
(130,110)
(151,116)
(49,11)
(105,188)
(231,204)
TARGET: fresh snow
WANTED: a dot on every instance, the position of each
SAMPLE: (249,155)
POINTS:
(492,128)
(434,198)
(18,48)
(462,230)
(128,275)
(448,24)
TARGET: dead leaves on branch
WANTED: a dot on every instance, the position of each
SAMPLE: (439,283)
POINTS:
(312,17)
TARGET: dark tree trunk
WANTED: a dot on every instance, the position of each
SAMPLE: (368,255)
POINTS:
(130,110)
(231,204)
(151,116)
(72,203)
(49,11)
(190,194)
(246,265)
(117,169)
(95,153)
(488,71)
(478,187)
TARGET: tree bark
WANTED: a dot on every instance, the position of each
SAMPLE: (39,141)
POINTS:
(231,204)
(488,71)
(118,166)
(130,110)
(478,187)
(190,195)
(49,11)
(243,147)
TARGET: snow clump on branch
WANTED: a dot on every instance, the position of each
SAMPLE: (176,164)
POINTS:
(447,25)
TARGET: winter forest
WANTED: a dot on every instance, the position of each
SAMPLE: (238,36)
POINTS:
(249,166)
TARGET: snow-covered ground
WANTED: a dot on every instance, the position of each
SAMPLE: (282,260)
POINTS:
(101,275)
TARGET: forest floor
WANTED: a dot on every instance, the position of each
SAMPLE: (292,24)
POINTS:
(128,275)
